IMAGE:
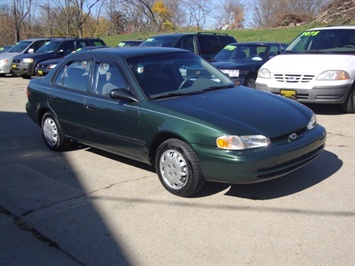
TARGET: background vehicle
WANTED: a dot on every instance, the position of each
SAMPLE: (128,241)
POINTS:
(317,67)
(28,46)
(206,45)
(170,108)
(129,43)
(5,48)
(24,65)
(45,66)
(241,61)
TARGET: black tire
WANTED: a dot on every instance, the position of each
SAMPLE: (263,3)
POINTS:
(26,76)
(52,133)
(349,105)
(250,82)
(178,168)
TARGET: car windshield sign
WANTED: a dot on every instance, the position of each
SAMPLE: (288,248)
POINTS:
(242,53)
(176,74)
(323,41)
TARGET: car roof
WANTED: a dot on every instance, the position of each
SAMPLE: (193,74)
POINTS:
(37,39)
(255,43)
(189,33)
(337,27)
(132,51)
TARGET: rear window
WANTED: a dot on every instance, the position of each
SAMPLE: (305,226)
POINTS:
(160,41)
(225,40)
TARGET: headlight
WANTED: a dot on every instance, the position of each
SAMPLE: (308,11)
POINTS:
(52,66)
(28,60)
(334,75)
(231,72)
(242,142)
(312,122)
(264,73)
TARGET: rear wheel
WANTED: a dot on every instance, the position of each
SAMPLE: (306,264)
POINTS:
(349,105)
(52,133)
(178,168)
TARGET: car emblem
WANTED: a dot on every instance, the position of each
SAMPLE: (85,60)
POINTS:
(291,78)
(198,72)
(292,137)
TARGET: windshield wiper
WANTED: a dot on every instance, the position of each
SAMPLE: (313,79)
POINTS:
(212,88)
(184,93)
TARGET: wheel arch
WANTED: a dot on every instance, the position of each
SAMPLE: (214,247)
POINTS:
(158,140)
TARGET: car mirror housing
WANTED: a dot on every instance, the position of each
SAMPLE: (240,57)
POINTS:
(122,94)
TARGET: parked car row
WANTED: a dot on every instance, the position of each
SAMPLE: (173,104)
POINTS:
(317,67)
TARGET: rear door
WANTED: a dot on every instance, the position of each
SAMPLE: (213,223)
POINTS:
(67,96)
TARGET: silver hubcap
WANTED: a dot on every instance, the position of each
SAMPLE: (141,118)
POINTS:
(50,131)
(173,169)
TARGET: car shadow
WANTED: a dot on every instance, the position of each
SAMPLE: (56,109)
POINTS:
(320,169)
(326,109)
(315,172)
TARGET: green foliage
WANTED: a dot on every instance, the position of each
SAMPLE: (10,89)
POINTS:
(282,34)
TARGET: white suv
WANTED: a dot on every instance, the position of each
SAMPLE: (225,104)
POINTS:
(318,66)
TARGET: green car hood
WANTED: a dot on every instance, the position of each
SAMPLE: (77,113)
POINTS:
(240,110)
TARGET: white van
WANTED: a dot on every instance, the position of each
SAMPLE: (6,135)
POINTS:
(318,66)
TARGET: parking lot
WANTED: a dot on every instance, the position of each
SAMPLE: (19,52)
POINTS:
(94,208)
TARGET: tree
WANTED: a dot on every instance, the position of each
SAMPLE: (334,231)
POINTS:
(197,12)
(20,9)
(163,15)
(231,14)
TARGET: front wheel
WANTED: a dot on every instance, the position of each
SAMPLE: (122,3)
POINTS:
(52,133)
(178,168)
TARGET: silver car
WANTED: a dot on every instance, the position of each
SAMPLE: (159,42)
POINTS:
(23,47)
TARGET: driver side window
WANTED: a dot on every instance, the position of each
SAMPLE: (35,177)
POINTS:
(107,78)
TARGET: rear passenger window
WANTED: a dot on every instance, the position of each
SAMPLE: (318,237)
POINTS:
(225,40)
(74,75)
(209,44)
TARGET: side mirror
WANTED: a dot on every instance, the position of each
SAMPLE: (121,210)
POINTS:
(31,51)
(122,94)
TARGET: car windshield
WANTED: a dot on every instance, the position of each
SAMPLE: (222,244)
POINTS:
(176,74)
(242,53)
(49,47)
(19,47)
(160,41)
(324,41)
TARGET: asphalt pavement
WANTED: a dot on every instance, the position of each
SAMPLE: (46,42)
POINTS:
(88,207)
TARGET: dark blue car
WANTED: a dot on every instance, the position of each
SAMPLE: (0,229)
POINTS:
(241,61)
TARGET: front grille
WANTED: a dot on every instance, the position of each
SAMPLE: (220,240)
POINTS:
(293,78)
(286,136)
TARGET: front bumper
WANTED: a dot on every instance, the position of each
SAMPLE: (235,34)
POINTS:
(22,69)
(331,94)
(5,68)
(258,165)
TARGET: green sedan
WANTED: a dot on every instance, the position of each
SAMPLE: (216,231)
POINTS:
(171,109)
